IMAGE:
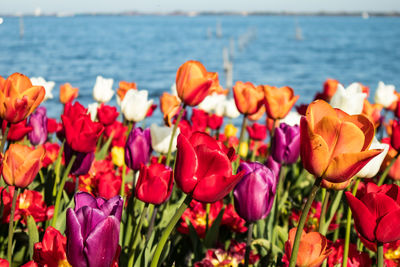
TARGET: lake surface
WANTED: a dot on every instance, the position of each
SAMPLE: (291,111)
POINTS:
(149,50)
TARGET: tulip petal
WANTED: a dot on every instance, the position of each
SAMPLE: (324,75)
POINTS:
(212,162)
(379,204)
(317,110)
(201,138)
(84,199)
(364,220)
(388,229)
(89,218)
(75,254)
(113,207)
(186,165)
(102,243)
(345,166)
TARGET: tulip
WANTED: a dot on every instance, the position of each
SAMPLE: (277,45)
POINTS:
(355,258)
(350,100)
(395,138)
(385,95)
(330,87)
(17,131)
(257,131)
(92,110)
(255,193)
(82,163)
(92,230)
(123,88)
(313,248)
(81,132)
(212,103)
(230,130)
(21,164)
(18,98)
(53,126)
(230,109)
(108,185)
(117,156)
(107,114)
(138,148)
(68,93)
(51,154)
(203,168)
(274,166)
(377,213)
(334,145)
(286,144)
(48,86)
(199,120)
(292,118)
(102,90)
(214,121)
(279,101)
(135,105)
(372,167)
(160,137)
(118,133)
(248,98)
(193,82)
(38,121)
(169,105)
(154,184)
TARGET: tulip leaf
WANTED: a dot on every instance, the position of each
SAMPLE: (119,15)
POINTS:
(260,228)
(212,233)
(61,219)
(102,153)
(33,234)
(267,245)
(196,243)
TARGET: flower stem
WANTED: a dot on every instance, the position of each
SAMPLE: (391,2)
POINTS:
(208,208)
(385,173)
(322,219)
(380,254)
(171,225)
(123,181)
(248,244)
(137,233)
(348,228)
(332,211)
(57,168)
(173,134)
(11,226)
(241,136)
(4,140)
(302,221)
(61,189)
(151,225)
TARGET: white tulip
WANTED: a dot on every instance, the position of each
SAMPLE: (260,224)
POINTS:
(48,86)
(230,109)
(135,105)
(350,100)
(373,166)
(213,103)
(292,118)
(92,110)
(102,90)
(385,94)
(160,138)
(173,89)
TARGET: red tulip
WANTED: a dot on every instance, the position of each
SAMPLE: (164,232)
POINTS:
(257,131)
(199,120)
(107,114)
(395,138)
(214,121)
(53,126)
(118,132)
(203,168)
(377,213)
(154,184)
(17,130)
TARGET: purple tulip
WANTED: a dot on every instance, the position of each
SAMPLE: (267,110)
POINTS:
(138,148)
(82,163)
(38,121)
(93,230)
(274,166)
(286,144)
(255,193)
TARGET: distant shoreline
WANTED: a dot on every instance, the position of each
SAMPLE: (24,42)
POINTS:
(210,13)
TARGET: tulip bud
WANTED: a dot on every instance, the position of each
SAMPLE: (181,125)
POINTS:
(107,114)
(160,136)
(286,144)
(102,90)
(154,184)
(68,93)
(82,163)
(47,85)
(350,100)
(257,131)
(230,130)
(21,164)
(38,121)
(138,148)
(117,156)
(255,193)
(385,94)
(248,98)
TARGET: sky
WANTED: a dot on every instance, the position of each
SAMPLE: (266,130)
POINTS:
(84,6)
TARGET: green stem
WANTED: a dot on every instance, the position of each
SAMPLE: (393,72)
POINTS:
(241,136)
(136,234)
(332,211)
(61,189)
(57,168)
(151,225)
(380,254)
(173,134)
(208,207)
(348,228)
(11,226)
(123,181)
(385,173)
(171,225)
(248,244)
(279,190)
(322,220)
(302,221)
(4,140)
(254,152)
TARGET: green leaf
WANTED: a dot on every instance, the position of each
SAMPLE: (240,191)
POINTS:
(267,245)
(102,153)
(212,233)
(33,234)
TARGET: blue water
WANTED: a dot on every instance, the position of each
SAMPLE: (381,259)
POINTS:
(148,50)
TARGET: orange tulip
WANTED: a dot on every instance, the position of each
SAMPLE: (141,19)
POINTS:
(169,105)
(18,98)
(373,112)
(68,93)
(330,87)
(193,82)
(334,145)
(256,116)
(216,86)
(123,88)
(313,249)
(248,98)
(279,101)
(21,164)
(2,82)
